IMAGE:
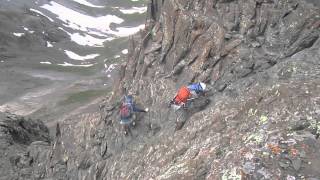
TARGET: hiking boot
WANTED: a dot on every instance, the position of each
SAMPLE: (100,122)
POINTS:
(179,125)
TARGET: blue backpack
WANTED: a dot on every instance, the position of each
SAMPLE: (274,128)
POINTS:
(195,87)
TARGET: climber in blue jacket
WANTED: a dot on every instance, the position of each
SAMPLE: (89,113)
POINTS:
(127,110)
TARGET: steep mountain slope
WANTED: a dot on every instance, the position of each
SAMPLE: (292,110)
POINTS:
(261,58)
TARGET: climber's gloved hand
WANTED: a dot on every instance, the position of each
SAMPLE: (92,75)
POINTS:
(170,103)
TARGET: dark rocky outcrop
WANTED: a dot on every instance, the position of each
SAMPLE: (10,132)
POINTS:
(261,58)
(19,140)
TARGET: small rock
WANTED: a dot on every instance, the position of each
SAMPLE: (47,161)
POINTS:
(289,177)
(227,36)
(248,167)
(296,163)
(222,87)
(289,142)
(104,148)
(264,172)
(255,44)
(260,39)
(283,165)
(302,154)
(154,47)
(300,125)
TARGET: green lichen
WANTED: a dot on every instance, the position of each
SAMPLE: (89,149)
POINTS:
(294,69)
(315,124)
(252,112)
(257,137)
(231,175)
(263,119)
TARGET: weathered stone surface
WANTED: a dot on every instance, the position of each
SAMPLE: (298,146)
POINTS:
(16,133)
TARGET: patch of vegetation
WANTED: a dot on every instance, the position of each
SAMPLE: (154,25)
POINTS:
(231,175)
(315,125)
(219,152)
(84,71)
(84,96)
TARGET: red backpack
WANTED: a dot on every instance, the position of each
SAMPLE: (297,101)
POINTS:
(182,95)
(125,110)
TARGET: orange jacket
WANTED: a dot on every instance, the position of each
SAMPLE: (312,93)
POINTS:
(182,96)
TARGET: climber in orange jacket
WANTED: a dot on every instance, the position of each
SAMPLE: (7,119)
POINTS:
(187,93)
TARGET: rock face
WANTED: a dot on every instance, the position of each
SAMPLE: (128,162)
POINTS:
(19,140)
(261,58)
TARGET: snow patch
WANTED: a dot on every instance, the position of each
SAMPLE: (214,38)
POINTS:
(49,44)
(39,12)
(27,29)
(134,10)
(18,34)
(63,30)
(87,40)
(95,30)
(86,3)
(76,20)
(75,56)
(45,62)
(74,65)
(126,31)
(125,51)
(111,67)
